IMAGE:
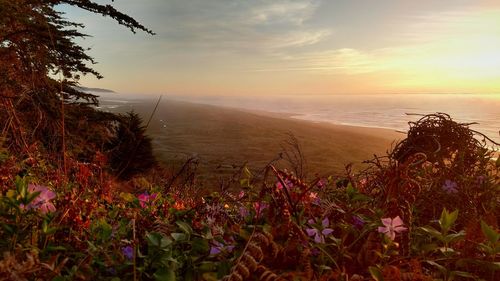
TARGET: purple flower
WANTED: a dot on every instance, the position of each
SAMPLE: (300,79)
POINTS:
(322,183)
(391,227)
(259,207)
(321,232)
(450,186)
(128,252)
(357,222)
(145,198)
(42,201)
(244,212)
(218,247)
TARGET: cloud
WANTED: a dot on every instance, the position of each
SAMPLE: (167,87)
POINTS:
(291,12)
(261,25)
(457,44)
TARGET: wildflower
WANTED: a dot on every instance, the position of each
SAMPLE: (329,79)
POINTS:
(42,201)
(111,271)
(320,234)
(357,222)
(322,183)
(128,252)
(391,227)
(450,186)
(244,212)
(145,198)
(288,184)
(314,198)
(218,247)
(241,194)
(259,207)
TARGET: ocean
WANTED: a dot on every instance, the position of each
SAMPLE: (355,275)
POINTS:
(392,111)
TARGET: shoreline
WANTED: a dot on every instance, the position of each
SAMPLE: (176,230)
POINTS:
(222,137)
(290,116)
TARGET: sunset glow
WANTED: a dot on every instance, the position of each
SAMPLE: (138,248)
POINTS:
(300,47)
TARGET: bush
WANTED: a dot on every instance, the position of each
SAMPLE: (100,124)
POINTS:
(130,151)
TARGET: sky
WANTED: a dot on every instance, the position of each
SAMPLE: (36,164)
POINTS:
(297,47)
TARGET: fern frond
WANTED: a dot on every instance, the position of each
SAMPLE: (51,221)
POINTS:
(250,260)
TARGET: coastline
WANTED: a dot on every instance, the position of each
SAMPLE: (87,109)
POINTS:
(222,137)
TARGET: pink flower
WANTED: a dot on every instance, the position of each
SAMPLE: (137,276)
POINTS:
(313,196)
(288,184)
(391,227)
(144,198)
(42,201)
(241,194)
(322,183)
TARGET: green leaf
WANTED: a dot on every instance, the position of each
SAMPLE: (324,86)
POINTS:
(105,230)
(164,274)
(350,190)
(429,247)
(376,273)
(490,233)
(446,250)
(447,220)
(128,197)
(453,237)
(54,248)
(157,240)
(210,276)
(208,266)
(441,268)
(430,230)
(245,182)
(178,236)
(463,274)
(199,246)
(223,269)
(11,193)
(495,265)
(185,227)
(247,172)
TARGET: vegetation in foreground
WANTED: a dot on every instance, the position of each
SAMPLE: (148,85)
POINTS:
(427,211)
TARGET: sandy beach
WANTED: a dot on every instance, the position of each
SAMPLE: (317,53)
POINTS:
(221,137)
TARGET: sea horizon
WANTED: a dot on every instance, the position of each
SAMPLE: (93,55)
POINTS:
(385,111)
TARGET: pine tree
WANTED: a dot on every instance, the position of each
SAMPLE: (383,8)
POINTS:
(131,151)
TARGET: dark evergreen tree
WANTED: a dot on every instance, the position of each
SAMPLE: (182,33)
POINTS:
(131,151)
